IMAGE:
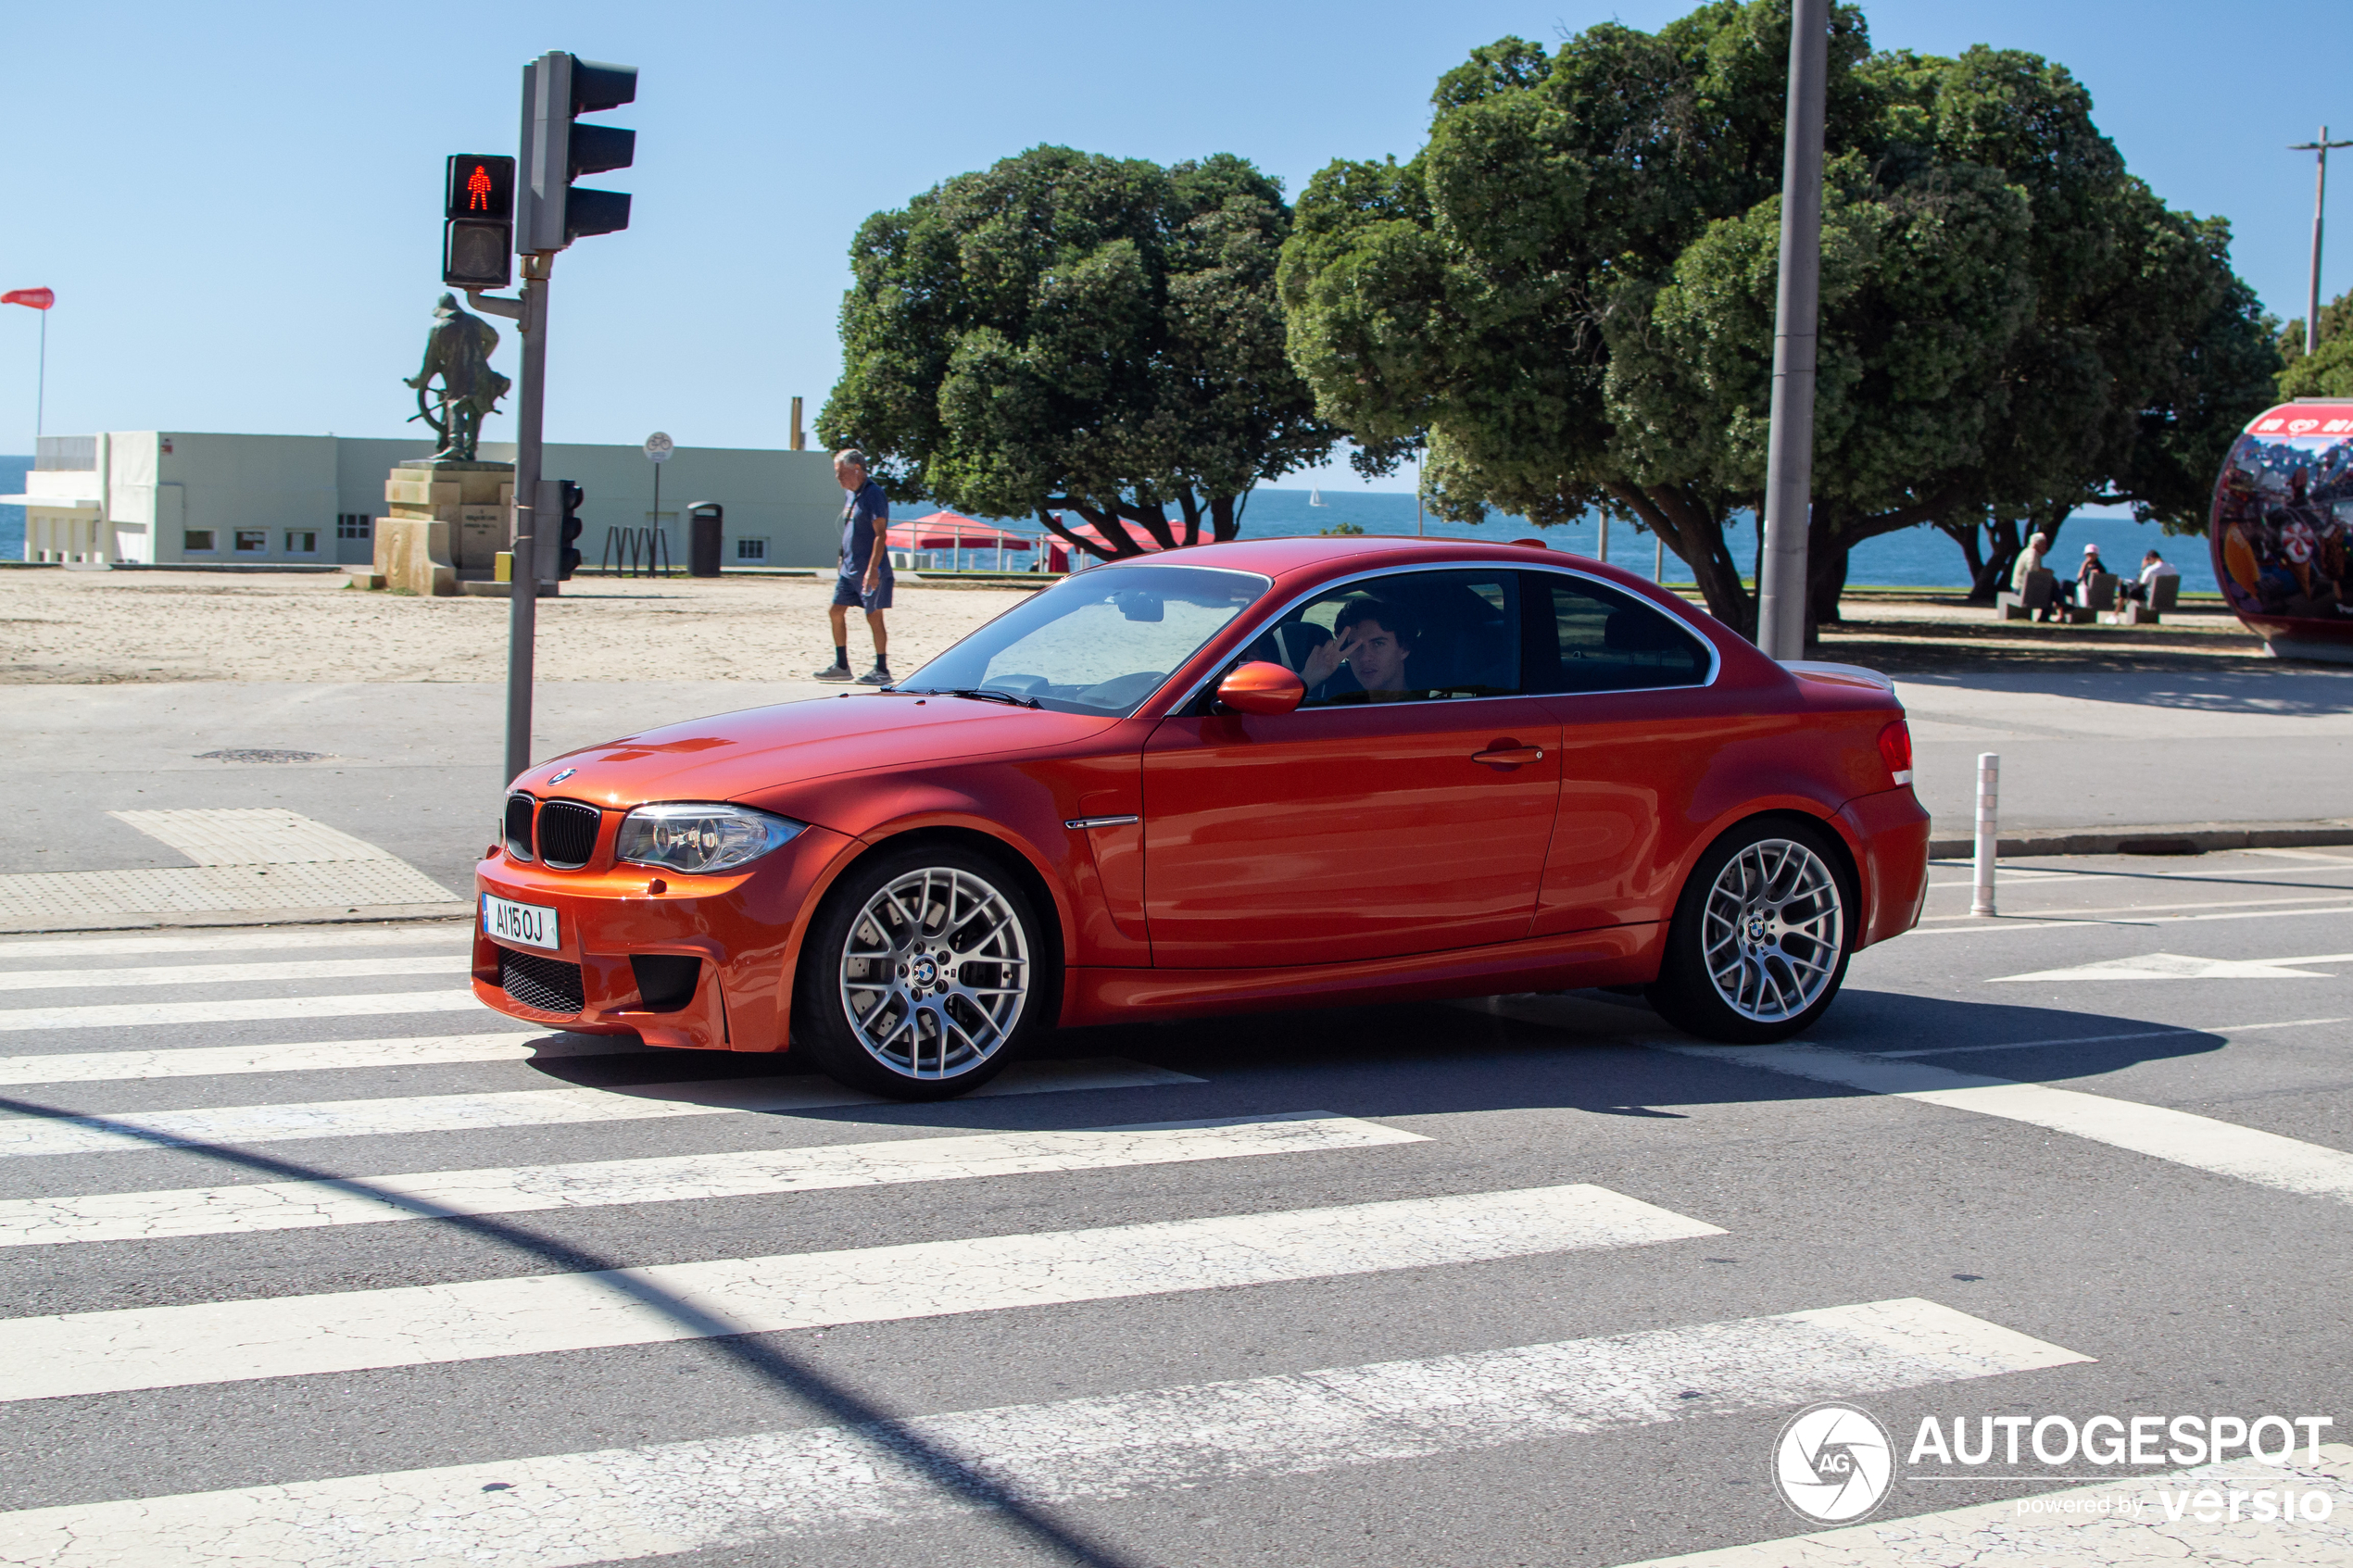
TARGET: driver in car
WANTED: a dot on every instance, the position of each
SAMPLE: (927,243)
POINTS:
(1365,659)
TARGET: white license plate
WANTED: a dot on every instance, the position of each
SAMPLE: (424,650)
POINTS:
(533,926)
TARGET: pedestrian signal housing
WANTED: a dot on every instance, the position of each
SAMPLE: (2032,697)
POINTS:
(550,211)
(478,229)
(567,560)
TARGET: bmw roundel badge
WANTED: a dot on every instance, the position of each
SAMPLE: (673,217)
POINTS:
(562,776)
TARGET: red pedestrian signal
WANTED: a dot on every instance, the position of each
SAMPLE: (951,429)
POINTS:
(481,186)
(478,238)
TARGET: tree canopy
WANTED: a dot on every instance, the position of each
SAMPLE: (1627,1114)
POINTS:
(1064,331)
(1569,292)
(2328,372)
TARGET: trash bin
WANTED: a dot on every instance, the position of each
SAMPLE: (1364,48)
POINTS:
(704,527)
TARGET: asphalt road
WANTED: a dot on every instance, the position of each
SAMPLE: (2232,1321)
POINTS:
(1520,1290)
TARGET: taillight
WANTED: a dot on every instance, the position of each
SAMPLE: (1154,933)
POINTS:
(1895,746)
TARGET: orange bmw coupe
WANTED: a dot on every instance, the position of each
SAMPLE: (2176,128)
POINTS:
(1280,773)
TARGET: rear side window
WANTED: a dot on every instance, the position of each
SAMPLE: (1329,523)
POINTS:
(1586,636)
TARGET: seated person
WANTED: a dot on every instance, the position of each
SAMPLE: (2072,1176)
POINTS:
(2153,566)
(1365,660)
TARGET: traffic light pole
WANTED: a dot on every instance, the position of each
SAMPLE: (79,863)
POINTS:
(523,590)
(1782,579)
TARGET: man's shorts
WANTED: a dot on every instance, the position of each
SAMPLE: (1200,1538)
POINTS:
(849,590)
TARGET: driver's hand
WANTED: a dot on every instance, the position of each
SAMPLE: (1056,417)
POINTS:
(1326,659)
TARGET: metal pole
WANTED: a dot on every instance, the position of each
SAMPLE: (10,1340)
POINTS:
(41,379)
(1989,783)
(523,592)
(1658,559)
(2319,147)
(1780,619)
(1605,555)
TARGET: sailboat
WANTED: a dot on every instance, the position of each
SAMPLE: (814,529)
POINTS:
(1316,497)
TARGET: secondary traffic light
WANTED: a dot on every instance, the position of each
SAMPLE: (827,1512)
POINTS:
(568,561)
(477,243)
(557,88)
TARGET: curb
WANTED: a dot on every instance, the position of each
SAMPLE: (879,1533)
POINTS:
(2169,838)
(189,920)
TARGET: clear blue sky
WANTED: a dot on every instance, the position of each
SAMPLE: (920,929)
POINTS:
(238,205)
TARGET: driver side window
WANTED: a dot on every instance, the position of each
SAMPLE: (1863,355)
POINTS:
(1412,637)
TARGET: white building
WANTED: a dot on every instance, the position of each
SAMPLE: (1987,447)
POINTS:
(172,497)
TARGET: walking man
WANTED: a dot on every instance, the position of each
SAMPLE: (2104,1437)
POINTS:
(865,579)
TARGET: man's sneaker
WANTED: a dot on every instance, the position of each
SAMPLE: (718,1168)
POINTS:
(877,676)
(833,672)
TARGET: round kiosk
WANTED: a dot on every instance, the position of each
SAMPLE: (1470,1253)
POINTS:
(2281,530)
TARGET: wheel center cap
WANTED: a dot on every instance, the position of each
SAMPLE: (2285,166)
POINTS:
(1756,926)
(924,972)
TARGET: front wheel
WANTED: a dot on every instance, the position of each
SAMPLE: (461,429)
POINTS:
(921,974)
(1760,938)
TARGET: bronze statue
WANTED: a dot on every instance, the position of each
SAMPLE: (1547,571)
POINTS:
(458,350)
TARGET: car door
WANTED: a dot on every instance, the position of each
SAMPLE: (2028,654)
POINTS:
(1364,824)
(1629,686)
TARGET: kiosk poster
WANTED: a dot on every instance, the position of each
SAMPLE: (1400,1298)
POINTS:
(2282,523)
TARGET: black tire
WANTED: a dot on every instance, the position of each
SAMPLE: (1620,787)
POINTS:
(925,972)
(1774,903)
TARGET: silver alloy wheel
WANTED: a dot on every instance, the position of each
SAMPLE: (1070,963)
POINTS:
(1771,930)
(934,974)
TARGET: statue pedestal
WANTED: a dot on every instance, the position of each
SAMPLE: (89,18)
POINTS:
(448,523)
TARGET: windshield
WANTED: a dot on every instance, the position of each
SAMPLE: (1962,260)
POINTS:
(1097,643)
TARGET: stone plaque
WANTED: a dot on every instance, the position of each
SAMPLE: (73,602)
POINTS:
(482,533)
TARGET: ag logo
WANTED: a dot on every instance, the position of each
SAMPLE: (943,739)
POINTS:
(1833,1462)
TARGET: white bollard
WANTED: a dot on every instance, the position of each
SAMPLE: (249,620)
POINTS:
(1989,781)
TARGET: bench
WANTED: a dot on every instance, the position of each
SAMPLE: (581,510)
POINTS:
(2162,595)
(2098,599)
(2040,594)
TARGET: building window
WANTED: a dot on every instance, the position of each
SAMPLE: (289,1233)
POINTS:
(252,541)
(354,525)
(196,539)
(302,540)
(751,549)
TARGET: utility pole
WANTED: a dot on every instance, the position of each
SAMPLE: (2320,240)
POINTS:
(1782,586)
(2319,147)
(523,590)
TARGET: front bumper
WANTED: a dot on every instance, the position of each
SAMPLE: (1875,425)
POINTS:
(744,928)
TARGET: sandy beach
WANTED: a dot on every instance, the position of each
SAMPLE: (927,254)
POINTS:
(81,628)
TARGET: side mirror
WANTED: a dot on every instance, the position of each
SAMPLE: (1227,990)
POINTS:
(1260,687)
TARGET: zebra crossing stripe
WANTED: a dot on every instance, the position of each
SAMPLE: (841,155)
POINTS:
(2222,1147)
(207,1061)
(30,1135)
(453,937)
(231,973)
(628,1503)
(255,1010)
(353,1331)
(131,1216)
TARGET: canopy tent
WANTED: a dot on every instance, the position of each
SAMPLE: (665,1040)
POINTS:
(950,531)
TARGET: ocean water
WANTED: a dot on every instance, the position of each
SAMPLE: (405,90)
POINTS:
(1918,557)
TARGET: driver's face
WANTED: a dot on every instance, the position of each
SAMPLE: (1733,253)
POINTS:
(1374,654)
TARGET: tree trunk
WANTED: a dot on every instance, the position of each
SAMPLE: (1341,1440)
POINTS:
(1694,531)
(1965,535)
(1223,523)
(2001,547)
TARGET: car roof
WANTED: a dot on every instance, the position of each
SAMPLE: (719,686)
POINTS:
(1321,554)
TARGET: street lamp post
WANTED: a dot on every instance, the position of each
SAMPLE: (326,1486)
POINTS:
(1780,587)
(2320,148)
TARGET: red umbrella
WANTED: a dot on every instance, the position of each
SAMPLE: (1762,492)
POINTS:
(950,531)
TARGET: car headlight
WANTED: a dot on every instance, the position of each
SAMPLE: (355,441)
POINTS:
(683,835)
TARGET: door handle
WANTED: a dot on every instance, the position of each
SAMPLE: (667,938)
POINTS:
(1509,755)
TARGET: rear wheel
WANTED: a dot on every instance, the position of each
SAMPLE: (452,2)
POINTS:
(1761,935)
(921,974)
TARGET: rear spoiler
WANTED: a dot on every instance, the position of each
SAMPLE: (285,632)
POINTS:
(1852,672)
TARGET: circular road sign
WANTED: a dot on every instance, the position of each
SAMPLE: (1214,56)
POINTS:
(659,446)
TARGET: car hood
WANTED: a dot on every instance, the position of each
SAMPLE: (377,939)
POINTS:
(757,749)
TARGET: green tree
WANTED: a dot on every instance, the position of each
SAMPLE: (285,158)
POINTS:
(1570,291)
(2329,372)
(1064,331)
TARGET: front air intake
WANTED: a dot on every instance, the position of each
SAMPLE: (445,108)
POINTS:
(541,985)
(568,834)
(519,825)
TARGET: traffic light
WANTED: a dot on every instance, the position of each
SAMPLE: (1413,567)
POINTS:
(568,561)
(557,87)
(477,243)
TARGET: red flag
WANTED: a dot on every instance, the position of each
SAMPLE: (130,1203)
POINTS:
(39,299)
